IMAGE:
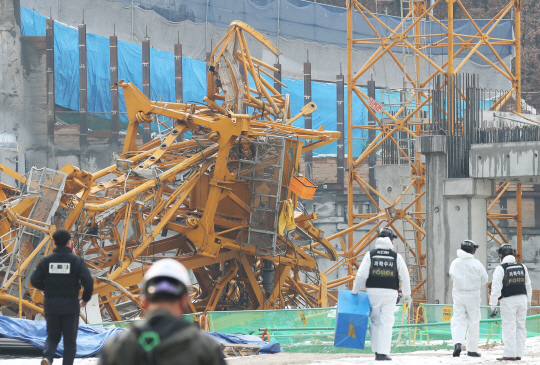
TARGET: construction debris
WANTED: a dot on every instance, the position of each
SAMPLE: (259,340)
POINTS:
(211,202)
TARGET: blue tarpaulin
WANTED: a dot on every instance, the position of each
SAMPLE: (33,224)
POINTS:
(90,339)
(266,347)
(162,80)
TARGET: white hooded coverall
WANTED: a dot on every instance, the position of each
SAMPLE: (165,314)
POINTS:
(468,275)
(513,311)
(382,302)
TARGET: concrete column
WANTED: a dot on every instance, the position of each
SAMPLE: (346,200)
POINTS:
(372,159)
(83,92)
(434,148)
(115,117)
(147,132)
(178,80)
(456,210)
(51,115)
(308,124)
(340,108)
(536,208)
(277,76)
(465,213)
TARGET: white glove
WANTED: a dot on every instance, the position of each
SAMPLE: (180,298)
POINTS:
(407,299)
(354,291)
(528,305)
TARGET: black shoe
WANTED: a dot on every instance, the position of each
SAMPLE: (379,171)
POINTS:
(518,358)
(381,357)
(473,354)
(457,350)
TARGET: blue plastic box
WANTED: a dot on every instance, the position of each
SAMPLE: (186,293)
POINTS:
(351,320)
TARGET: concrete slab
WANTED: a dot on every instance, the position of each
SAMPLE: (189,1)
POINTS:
(513,161)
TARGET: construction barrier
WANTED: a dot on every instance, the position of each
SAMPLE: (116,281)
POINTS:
(312,330)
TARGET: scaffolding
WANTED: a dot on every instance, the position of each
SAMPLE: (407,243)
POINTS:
(400,125)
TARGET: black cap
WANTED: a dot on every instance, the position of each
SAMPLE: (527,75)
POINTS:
(387,232)
(506,250)
(469,246)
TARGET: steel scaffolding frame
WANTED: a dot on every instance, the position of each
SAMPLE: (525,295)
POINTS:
(407,36)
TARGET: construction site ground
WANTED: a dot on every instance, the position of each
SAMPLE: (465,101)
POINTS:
(439,357)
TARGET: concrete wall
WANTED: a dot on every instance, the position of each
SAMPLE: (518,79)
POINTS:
(331,208)
(23,95)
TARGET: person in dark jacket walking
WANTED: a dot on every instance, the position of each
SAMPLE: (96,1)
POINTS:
(60,276)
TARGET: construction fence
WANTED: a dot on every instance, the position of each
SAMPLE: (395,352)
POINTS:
(312,330)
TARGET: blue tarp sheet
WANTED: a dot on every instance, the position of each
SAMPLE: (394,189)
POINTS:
(266,347)
(162,80)
(90,339)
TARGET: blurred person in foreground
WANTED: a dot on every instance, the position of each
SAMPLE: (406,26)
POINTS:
(381,273)
(163,337)
(512,286)
(60,276)
(468,276)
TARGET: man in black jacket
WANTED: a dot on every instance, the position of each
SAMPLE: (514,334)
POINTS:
(60,276)
(163,337)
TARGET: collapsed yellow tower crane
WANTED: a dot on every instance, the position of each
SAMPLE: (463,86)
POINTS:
(216,202)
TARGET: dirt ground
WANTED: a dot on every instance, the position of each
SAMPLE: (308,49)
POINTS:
(440,357)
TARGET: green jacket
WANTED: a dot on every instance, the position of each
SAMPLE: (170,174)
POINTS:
(177,342)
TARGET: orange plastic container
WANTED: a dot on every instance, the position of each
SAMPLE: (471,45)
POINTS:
(301,186)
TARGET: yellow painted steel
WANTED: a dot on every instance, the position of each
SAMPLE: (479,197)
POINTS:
(120,216)
(407,35)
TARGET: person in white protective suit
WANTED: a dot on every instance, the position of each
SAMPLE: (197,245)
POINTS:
(512,286)
(468,275)
(381,273)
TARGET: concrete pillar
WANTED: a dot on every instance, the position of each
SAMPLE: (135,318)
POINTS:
(23,94)
(372,159)
(277,76)
(178,80)
(536,207)
(465,213)
(308,122)
(115,117)
(51,115)
(147,132)
(434,148)
(340,108)
(456,210)
(83,92)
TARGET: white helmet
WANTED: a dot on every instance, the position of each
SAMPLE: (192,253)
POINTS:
(155,279)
